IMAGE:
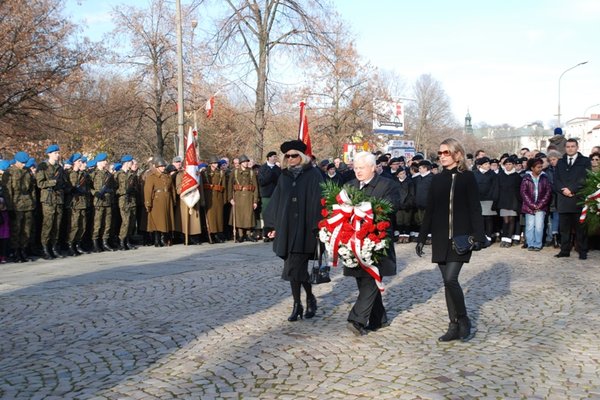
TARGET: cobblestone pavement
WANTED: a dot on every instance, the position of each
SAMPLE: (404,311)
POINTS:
(207,322)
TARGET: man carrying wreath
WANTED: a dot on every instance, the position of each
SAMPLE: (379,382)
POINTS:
(368,313)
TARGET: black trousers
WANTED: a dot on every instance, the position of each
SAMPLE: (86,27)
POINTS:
(455,299)
(567,222)
(368,308)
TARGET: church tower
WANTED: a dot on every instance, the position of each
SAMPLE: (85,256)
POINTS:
(468,126)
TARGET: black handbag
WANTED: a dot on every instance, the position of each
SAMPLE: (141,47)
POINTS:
(320,272)
(462,244)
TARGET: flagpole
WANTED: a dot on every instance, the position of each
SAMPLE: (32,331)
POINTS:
(180,117)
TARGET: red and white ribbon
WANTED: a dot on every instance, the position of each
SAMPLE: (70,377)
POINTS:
(593,196)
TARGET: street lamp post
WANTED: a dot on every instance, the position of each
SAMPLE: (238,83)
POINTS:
(559,78)
(180,117)
(194,25)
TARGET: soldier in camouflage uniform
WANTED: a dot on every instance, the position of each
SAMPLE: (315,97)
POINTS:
(21,204)
(126,181)
(102,191)
(80,201)
(52,182)
(242,192)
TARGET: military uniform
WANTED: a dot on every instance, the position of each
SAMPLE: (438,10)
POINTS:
(80,202)
(214,186)
(127,183)
(52,181)
(189,217)
(243,189)
(102,191)
(159,197)
(21,204)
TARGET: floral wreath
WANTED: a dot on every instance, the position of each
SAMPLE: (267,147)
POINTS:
(354,228)
(590,215)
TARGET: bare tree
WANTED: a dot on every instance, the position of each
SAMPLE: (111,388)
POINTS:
(150,58)
(253,32)
(38,54)
(429,118)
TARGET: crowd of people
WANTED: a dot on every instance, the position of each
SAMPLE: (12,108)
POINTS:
(71,206)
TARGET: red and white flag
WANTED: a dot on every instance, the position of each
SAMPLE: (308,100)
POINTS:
(189,184)
(209,106)
(303,129)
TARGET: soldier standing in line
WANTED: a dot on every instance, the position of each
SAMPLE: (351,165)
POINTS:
(159,195)
(268,175)
(214,185)
(21,204)
(243,197)
(102,192)
(52,181)
(80,200)
(126,193)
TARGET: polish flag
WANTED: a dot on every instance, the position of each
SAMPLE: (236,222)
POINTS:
(303,129)
(209,106)
(189,184)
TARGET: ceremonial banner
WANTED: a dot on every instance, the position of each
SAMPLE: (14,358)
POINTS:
(189,184)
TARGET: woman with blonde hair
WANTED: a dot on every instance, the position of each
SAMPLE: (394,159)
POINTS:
(453,204)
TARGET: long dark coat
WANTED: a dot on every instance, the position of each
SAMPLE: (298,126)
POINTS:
(509,192)
(382,188)
(295,211)
(573,178)
(487,184)
(466,216)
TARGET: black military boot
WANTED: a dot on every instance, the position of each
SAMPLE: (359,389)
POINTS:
(80,249)
(129,244)
(106,246)
(71,251)
(157,241)
(97,246)
(46,253)
(451,334)
(123,245)
(56,250)
(23,255)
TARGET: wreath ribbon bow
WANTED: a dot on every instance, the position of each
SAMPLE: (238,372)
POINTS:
(593,196)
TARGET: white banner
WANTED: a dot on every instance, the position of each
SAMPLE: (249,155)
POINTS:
(388,117)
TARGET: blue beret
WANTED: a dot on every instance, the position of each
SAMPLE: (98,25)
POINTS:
(68,162)
(75,157)
(83,159)
(117,166)
(12,162)
(221,162)
(22,157)
(30,163)
(4,164)
(52,148)
(127,157)
(101,157)
(92,163)
(202,165)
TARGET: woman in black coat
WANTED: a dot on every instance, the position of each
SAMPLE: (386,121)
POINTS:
(451,213)
(295,211)
(509,201)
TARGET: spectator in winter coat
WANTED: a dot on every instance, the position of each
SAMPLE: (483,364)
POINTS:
(509,201)
(333,175)
(405,211)
(487,183)
(536,193)
(422,186)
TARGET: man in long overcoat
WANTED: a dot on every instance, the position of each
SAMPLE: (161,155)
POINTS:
(368,313)
(159,196)
(242,192)
(569,180)
(214,183)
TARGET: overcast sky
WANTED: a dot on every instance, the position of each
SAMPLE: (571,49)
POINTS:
(501,60)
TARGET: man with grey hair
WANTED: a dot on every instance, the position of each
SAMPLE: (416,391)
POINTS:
(368,313)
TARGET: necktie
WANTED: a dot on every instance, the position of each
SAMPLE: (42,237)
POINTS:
(570,161)
(362,185)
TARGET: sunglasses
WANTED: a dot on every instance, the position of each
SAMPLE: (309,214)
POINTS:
(296,155)
(445,153)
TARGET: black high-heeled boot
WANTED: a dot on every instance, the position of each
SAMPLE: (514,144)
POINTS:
(451,334)
(464,328)
(311,307)
(296,312)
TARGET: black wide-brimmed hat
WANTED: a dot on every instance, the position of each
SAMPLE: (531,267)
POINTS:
(293,145)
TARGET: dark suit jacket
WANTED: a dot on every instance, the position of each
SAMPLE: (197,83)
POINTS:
(383,188)
(573,178)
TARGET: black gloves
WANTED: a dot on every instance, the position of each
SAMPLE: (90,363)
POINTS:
(419,249)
